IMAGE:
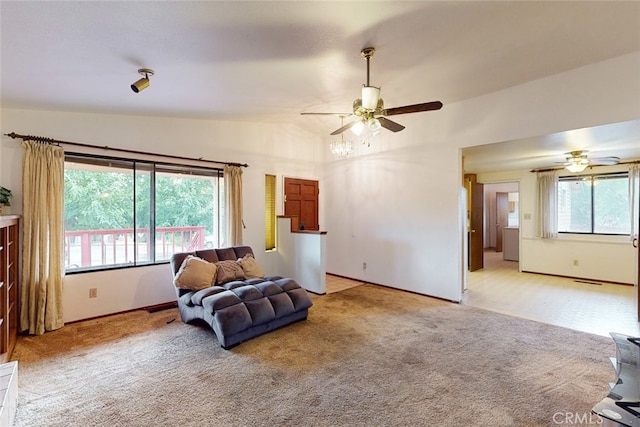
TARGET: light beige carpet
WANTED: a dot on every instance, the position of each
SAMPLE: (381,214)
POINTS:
(367,356)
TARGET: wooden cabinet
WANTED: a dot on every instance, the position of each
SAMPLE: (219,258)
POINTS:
(9,284)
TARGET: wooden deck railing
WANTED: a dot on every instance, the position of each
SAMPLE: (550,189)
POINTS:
(88,248)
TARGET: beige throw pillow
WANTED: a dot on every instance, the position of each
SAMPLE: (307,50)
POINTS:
(195,273)
(250,266)
(228,271)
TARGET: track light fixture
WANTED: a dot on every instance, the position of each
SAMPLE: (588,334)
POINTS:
(143,83)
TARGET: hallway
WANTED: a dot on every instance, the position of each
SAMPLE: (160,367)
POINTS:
(598,308)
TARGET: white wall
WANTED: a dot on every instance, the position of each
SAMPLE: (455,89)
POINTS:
(267,148)
(396,206)
(396,211)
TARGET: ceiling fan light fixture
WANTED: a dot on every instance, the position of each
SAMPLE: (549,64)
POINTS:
(374,126)
(370,97)
(577,165)
(357,128)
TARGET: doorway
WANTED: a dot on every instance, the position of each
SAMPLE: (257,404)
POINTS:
(501,220)
(475,228)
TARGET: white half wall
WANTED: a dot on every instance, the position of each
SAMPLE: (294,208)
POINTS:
(302,256)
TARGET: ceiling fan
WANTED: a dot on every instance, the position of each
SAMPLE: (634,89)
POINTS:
(370,108)
(577,161)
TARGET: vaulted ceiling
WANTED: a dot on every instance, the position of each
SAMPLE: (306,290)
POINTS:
(269,61)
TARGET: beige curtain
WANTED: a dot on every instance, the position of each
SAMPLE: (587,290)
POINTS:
(43,238)
(233,205)
(547,206)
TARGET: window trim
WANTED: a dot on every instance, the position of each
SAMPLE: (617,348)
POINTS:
(592,176)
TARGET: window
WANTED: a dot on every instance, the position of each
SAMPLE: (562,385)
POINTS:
(595,204)
(126,213)
(269,212)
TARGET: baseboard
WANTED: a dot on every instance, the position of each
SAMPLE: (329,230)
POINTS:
(160,307)
(149,309)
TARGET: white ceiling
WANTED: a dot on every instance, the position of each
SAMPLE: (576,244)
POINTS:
(269,61)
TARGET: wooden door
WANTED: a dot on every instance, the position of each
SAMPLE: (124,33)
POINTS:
(475,207)
(301,200)
(502,217)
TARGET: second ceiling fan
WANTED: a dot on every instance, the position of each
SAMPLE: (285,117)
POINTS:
(577,161)
(370,108)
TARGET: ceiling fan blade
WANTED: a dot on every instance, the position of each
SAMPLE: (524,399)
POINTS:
(389,124)
(605,161)
(343,128)
(416,108)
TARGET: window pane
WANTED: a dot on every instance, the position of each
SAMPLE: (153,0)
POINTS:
(124,212)
(98,214)
(144,231)
(187,213)
(611,205)
(596,204)
(574,206)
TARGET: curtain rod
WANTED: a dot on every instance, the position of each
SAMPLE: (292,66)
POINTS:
(52,141)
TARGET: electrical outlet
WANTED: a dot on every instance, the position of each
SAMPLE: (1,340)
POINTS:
(527,216)
(576,263)
(364,265)
(93,292)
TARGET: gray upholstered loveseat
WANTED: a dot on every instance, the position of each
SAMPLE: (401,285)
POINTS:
(239,309)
